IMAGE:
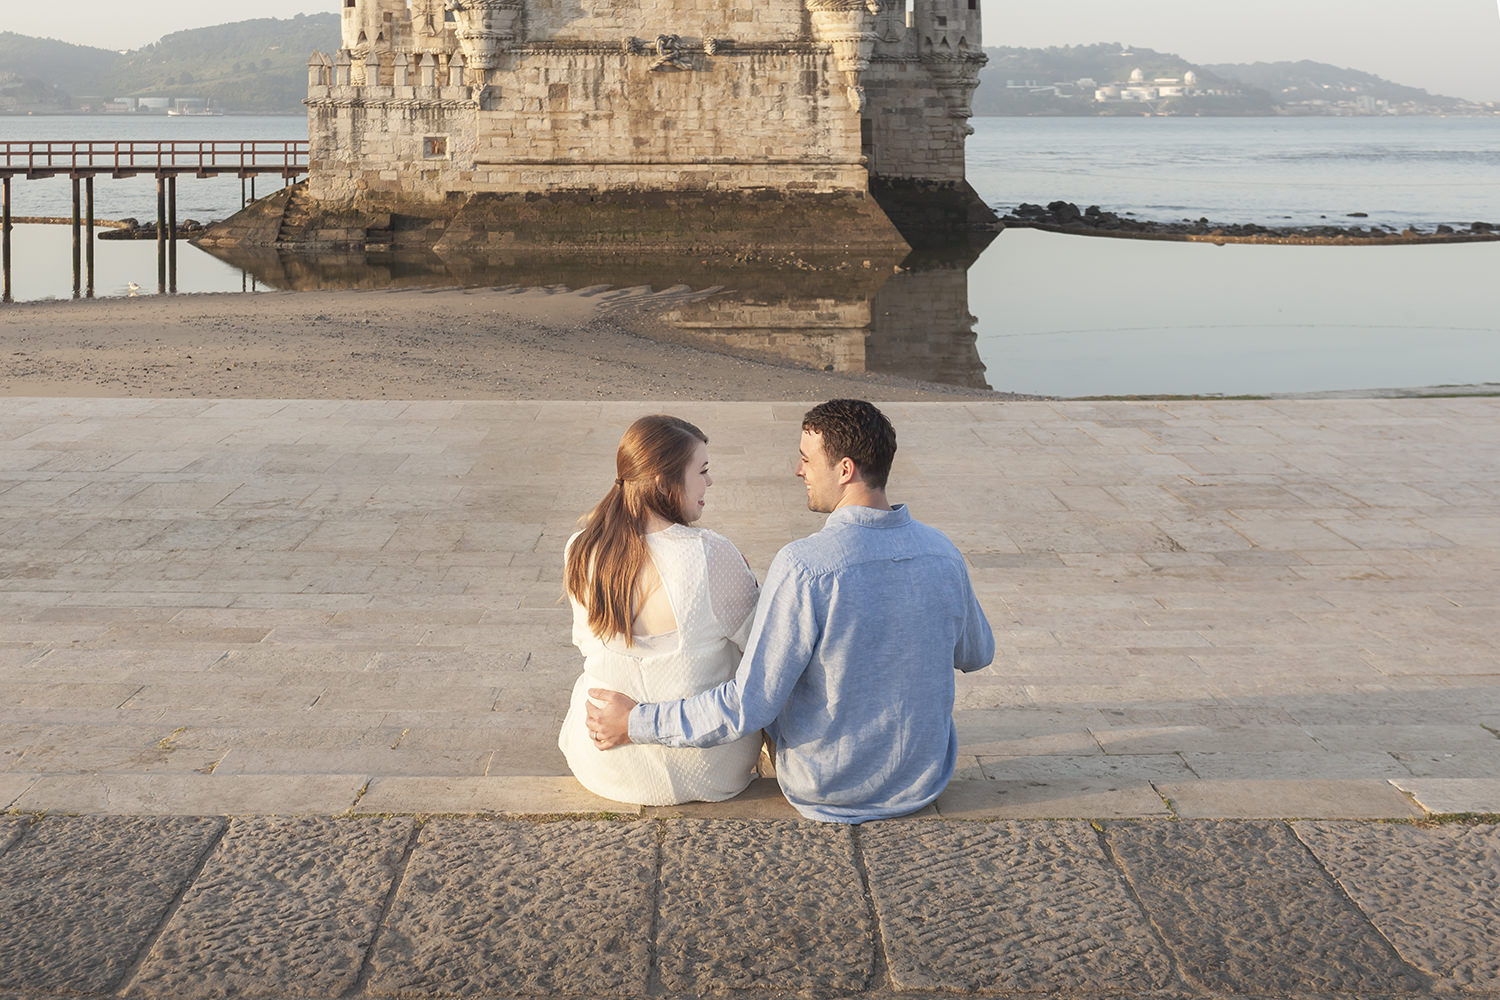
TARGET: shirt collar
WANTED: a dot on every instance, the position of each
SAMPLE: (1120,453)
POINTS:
(868,517)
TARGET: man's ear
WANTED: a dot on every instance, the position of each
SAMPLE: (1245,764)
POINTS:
(848,471)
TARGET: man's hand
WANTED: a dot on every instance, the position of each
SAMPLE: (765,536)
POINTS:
(609,718)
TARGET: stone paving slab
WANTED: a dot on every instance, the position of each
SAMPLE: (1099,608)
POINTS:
(769,905)
(283,908)
(81,897)
(492,908)
(192,794)
(1052,798)
(1006,908)
(1245,909)
(1433,892)
(1454,795)
(499,795)
(1313,798)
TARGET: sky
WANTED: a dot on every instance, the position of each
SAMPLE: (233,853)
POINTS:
(1445,46)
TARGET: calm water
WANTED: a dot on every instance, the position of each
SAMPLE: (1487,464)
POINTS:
(1056,315)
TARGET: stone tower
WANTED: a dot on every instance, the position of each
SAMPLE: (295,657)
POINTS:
(437,101)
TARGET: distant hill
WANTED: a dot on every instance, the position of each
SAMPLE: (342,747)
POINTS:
(1308,83)
(32,71)
(1062,80)
(258,65)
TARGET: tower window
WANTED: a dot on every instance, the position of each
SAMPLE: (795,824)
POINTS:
(942,22)
(973,4)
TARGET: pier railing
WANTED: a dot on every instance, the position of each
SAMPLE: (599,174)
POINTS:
(287,158)
(167,160)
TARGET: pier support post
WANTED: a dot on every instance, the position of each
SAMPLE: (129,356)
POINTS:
(5,239)
(77,238)
(88,234)
(172,234)
(161,234)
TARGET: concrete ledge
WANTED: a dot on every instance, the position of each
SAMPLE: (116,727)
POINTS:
(1307,799)
(519,796)
(191,795)
(1448,796)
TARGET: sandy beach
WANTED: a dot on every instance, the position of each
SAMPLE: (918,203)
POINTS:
(508,343)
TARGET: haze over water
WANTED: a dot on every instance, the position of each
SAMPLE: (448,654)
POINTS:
(1072,316)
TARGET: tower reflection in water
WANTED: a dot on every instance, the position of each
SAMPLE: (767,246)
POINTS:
(908,317)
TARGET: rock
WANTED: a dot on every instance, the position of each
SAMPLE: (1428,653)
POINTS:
(1065,212)
(1445,230)
(1481,227)
(1359,215)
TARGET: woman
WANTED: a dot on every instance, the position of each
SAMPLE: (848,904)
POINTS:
(661,611)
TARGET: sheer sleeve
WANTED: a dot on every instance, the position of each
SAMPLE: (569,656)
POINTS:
(732,589)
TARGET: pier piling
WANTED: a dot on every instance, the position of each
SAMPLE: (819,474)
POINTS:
(77,238)
(88,235)
(5,240)
(172,234)
(161,234)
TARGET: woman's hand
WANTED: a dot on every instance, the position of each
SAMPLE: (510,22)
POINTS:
(609,718)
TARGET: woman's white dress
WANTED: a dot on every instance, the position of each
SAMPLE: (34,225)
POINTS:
(713,596)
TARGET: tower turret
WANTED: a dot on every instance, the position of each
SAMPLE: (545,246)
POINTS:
(376,24)
(950,46)
(946,27)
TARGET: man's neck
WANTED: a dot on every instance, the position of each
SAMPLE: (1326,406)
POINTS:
(856,495)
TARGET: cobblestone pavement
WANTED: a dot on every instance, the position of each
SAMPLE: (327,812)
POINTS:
(362,906)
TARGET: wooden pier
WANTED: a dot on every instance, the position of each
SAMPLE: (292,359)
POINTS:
(82,162)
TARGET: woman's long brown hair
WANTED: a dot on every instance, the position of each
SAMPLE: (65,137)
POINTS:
(608,555)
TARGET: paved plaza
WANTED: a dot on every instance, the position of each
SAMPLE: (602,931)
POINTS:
(280,684)
(1202,609)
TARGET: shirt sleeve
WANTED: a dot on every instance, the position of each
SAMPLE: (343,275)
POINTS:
(976,643)
(782,641)
(732,590)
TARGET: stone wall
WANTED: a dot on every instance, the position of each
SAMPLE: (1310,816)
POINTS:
(592,118)
(609,21)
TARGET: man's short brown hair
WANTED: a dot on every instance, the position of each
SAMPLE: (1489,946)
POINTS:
(855,429)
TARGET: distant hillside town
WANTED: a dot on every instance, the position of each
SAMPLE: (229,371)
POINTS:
(260,66)
(1114,79)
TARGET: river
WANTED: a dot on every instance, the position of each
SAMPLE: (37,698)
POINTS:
(1063,315)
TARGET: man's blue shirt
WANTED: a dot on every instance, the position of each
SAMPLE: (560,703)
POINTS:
(849,668)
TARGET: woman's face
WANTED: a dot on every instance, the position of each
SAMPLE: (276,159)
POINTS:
(695,484)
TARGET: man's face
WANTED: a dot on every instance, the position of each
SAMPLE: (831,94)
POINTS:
(821,478)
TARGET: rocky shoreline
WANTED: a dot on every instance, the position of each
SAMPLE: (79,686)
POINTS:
(1066,217)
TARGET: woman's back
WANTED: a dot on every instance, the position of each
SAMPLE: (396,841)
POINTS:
(710,596)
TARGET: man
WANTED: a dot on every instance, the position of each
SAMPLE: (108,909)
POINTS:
(849,665)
